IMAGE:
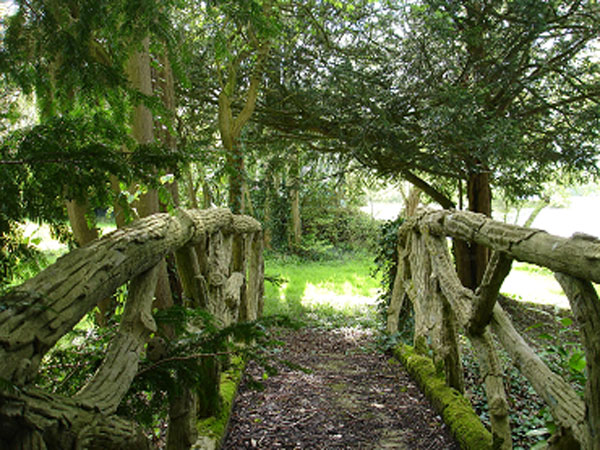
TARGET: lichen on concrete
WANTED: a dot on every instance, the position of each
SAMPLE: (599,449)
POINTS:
(452,406)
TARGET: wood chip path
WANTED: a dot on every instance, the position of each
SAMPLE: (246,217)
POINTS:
(350,397)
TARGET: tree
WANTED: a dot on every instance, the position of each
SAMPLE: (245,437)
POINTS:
(239,36)
(72,56)
(473,94)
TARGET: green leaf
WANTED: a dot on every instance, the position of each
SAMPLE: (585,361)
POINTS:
(538,432)
(540,445)
(168,178)
(534,326)
(566,321)
(577,362)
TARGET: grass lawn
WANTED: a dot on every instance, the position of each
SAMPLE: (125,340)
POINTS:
(534,284)
(333,291)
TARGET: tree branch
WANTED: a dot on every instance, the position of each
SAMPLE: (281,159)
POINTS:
(436,195)
(182,358)
(250,104)
(487,293)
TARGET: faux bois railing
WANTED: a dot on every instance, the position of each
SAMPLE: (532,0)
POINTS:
(219,259)
(426,277)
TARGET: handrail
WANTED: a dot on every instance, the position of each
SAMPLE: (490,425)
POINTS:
(426,277)
(220,255)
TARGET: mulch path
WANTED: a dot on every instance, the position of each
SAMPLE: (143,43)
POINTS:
(349,396)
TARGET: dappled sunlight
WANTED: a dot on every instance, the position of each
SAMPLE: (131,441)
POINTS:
(338,296)
(324,291)
(40,236)
(535,287)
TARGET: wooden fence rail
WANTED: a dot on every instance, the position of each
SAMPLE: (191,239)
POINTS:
(219,259)
(426,277)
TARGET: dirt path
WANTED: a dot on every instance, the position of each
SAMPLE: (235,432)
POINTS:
(352,397)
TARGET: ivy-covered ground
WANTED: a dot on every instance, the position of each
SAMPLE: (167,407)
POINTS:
(551,332)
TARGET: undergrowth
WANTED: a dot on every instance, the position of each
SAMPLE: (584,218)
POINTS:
(556,341)
(176,358)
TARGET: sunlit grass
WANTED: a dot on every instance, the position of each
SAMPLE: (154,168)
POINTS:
(330,291)
(535,284)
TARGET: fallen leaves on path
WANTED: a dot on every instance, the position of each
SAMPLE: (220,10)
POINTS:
(349,396)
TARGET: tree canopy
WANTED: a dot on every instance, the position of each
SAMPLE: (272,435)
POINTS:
(448,89)
(439,93)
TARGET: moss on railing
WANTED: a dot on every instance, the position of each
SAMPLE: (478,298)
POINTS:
(212,430)
(456,411)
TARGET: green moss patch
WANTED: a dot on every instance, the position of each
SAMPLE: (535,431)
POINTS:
(211,430)
(456,411)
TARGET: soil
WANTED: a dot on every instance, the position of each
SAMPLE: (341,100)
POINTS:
(348,395)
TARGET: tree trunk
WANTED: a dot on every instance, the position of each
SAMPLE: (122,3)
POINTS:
(471,258)
(412,202)
(247,205)
(230,126)
(191,187)
(142,130)
(77,212)
(296,231)
(207,198)
(142,127)
(235,163)
(270,193)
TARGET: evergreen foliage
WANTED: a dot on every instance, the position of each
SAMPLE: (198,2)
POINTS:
(442,90)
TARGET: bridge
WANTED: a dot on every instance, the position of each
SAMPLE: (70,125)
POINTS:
(221,270)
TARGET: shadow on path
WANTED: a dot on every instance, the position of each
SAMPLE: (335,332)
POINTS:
(350,396)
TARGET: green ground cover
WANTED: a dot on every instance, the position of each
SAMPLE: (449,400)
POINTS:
(333,292)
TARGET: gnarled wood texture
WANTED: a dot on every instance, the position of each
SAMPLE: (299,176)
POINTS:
(424,261)
(36,314)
